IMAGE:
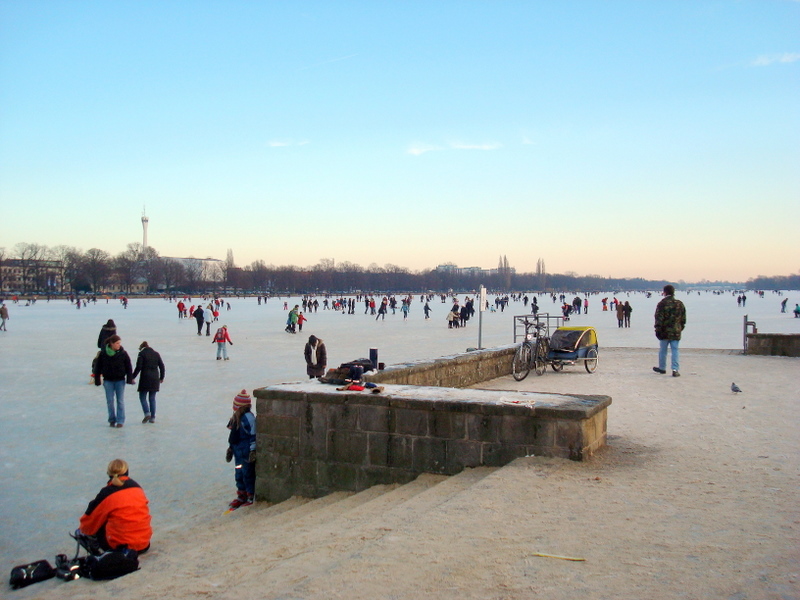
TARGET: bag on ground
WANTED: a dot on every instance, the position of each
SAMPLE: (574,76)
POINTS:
(24,575)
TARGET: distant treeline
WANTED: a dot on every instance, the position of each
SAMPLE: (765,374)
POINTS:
(778,282)
(35,268)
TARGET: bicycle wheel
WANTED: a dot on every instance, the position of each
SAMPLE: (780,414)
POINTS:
(540,360)
(521,365)
(591,361)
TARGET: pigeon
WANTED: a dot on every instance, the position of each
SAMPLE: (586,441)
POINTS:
(735,388)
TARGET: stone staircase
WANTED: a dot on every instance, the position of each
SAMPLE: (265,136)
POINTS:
(284,548)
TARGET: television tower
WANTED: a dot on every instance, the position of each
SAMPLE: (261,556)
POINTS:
(145,221)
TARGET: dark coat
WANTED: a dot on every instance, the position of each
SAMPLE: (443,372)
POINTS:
(151,369)
(113,368)
(106,332)
(316,364)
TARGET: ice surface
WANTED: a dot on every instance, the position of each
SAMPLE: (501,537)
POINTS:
(55,441)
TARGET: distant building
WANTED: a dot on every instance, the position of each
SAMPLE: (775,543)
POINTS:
(207,269)
(26,276)
(469,271)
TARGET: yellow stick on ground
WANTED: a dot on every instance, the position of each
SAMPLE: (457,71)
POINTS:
(556,556)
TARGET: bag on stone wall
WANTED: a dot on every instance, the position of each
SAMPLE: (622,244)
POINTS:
(364,363)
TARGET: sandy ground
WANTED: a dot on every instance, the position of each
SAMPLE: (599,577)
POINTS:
(696,496)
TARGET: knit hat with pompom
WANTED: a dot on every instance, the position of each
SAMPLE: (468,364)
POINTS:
(241,399)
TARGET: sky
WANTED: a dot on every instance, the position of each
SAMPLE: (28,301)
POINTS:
(616,138)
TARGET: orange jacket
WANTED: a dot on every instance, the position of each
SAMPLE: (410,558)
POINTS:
(124,514)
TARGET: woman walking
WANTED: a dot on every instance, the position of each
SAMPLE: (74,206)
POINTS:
(113,365)
(151,368)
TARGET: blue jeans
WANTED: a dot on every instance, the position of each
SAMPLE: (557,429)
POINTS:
(222,350)
(115,388)
(148,404)
(662,354)
(245,473)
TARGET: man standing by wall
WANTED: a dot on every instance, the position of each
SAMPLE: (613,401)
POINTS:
(670,321)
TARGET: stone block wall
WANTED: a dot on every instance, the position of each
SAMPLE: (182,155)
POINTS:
(773,344)
(458,370)
(313,439)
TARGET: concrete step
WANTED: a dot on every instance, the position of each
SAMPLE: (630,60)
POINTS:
(306,554)
(290,544)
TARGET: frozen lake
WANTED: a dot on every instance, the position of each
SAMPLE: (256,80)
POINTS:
(56,443)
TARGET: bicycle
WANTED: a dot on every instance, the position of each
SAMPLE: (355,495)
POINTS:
(530,354)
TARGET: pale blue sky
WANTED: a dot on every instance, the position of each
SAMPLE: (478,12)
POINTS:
(618,138)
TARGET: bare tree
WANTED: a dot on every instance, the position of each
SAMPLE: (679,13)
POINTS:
(193,269)
(30,257)
(541,275)
(127,266)
(151,268)
(2,270)
(173,273)
(214,272)
(97,266)
(227,269)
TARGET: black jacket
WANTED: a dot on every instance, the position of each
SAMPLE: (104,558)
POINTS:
(113,368)
(151,368)
(105,333)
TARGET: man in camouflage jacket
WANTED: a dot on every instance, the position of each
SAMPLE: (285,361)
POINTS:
(670,321)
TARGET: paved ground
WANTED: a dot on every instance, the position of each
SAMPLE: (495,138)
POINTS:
(696,496)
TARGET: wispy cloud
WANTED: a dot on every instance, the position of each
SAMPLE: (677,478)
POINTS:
(766,60)
(327,62)
(462,146)
(284,143)
(418,149)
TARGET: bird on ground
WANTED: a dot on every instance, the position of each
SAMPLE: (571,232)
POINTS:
(735,388)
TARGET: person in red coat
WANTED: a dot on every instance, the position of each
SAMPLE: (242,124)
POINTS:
(118,517)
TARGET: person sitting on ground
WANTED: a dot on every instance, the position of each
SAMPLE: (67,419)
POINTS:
(118,518)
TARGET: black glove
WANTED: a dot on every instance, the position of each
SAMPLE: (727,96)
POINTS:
(98,380)
(252,457)
(229,454)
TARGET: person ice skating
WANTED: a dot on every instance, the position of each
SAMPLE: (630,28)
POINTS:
(3,316)
(119,517)
(670,320)
(783,305)
(242,449)
(208,317)
(106,331)
(291,320)
(427,310)
(316,356)
(300,320)
(796,311)
(112,370)
(382,309)
(198,316)
(221,337)
(151,368)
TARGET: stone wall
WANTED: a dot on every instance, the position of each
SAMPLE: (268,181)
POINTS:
(773,344)
(458,370)
(314,439)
